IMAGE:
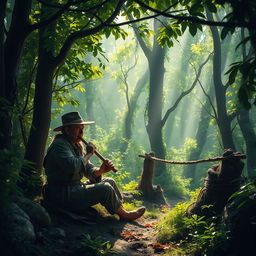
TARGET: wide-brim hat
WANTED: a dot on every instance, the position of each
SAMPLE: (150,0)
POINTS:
(72,118)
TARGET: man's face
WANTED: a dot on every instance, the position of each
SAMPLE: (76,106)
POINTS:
(75,132)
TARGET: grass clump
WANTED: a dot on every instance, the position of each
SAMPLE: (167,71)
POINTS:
(94,246)
(190,235)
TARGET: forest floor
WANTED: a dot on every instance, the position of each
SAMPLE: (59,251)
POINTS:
(126,238)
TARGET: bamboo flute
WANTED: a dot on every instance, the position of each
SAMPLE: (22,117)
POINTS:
(101,157)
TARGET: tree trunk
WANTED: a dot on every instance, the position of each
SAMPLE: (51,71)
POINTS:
(249,135)
(221,182)
(42,105)
(149,192)
(223,120)
(155,102)
(2,38)
(201,137)
(154,127)
(246,125)
(19,30)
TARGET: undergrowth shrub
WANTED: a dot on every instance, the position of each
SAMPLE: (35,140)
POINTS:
(173,182)
(193,235)
(127,163)
(94,246)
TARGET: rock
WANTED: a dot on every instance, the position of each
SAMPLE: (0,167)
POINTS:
(17,226)
(57,233)
(38,215)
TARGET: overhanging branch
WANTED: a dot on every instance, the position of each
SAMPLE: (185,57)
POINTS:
(194,19)
(183,94)
(83,33)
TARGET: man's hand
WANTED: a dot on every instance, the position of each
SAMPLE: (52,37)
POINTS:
(90,148)
(106,166)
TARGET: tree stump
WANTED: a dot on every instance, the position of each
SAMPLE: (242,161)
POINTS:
(150,192)
(221,182)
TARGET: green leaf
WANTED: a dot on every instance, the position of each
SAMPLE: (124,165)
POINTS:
(197,7)
(185,2)
(211,7)
(247,39)
(170,43)
(192,29)
(107,33)
(184,25)
(243,97)
(200,27)
(224,32)
(232,76)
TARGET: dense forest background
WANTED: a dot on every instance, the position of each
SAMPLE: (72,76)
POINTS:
(175,77)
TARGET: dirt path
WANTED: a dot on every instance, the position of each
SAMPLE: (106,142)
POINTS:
(127,238)
(137,238)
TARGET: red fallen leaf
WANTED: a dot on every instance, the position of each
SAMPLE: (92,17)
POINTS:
(147,225)
(129,235)
(126,234)
(157,245)
(161,246)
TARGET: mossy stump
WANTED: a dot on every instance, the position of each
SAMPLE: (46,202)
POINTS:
(221,182)
(150,192)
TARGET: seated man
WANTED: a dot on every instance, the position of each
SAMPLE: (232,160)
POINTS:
(66,163)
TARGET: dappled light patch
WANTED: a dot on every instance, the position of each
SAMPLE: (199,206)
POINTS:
(164,208)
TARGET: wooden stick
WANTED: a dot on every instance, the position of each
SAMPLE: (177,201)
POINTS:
(101,157)
(237,155)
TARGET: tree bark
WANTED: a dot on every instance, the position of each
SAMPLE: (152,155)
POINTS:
(10,58)
(247,127)
(154,127)
(2,39)
(149,192)
(201,137)
(155,102)
(223,120)
(42,104)
(249,135)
